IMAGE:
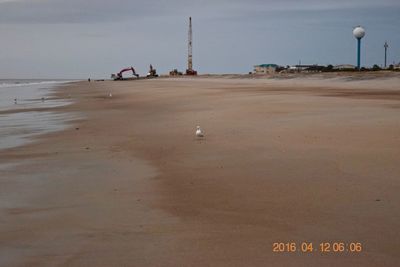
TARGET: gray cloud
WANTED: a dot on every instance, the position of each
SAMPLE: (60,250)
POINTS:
(74,39)
(92,11)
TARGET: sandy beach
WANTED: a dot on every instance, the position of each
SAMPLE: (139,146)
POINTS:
(295,159)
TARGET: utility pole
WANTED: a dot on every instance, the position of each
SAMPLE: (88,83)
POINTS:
(190,70)
(386,47)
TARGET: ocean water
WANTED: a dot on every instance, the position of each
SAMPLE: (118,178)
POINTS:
(21,119)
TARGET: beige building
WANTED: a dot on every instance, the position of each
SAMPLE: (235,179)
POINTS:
(344,67)
(265,68)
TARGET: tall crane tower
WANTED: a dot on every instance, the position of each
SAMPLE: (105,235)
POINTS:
(190,70)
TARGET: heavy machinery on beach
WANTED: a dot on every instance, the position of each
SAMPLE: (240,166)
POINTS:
(119,76)
(152,72)
(175,72)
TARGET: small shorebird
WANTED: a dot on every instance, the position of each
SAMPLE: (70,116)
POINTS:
(199,132)
(15,101)
(42,99)
(110,95)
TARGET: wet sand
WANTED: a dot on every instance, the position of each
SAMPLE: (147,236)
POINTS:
(308,159)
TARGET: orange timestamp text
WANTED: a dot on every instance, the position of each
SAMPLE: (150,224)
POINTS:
(322,247)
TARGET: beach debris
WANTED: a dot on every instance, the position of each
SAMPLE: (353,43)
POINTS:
(199,132)
(110,95)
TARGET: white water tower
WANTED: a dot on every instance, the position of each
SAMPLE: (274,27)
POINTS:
(359,33)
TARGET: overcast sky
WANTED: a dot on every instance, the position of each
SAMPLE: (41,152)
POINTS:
(94,38)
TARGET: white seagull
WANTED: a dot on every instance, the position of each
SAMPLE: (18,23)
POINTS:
(199,132)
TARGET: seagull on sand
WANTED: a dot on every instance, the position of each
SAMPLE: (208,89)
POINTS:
(199,132)
(110,95)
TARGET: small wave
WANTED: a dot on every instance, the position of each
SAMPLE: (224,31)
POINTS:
(24,83)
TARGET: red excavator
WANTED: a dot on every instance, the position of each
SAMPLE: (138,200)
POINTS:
(118,76)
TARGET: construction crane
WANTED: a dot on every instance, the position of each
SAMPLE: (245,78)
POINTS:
(190,70)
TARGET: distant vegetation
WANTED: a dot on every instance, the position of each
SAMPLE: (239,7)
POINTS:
(331,68)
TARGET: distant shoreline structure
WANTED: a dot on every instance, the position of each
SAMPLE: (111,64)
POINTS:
(327,75)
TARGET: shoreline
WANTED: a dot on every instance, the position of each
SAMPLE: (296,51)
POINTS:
(130,184)
(33,112)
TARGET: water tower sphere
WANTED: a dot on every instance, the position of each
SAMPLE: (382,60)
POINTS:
(358,32)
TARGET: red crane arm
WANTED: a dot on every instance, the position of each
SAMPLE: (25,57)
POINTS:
(127,69)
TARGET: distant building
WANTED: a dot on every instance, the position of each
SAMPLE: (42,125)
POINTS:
(344,67)
(265,68)
(309,68)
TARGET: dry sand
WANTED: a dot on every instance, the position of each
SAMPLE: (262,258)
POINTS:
(312,159)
